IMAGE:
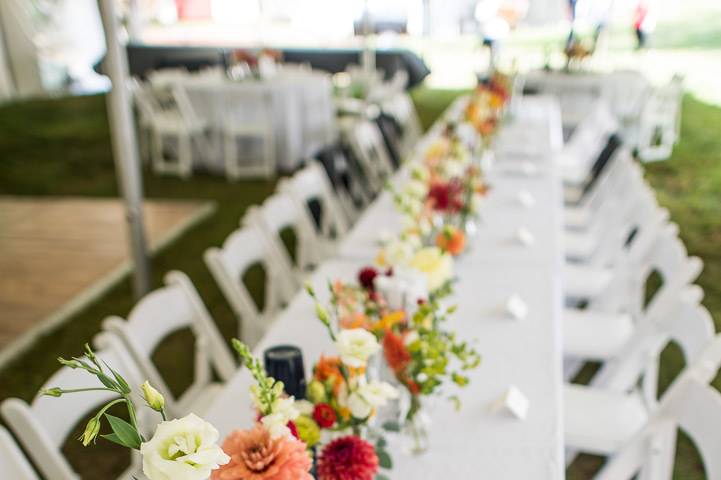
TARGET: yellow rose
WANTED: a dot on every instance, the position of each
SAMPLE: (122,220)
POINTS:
(435,265)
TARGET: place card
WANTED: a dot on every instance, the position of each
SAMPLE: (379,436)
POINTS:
(516,307)
(526,199)
(525,237)
(512,402)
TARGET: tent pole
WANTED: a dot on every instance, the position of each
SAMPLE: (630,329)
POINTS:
(125,147)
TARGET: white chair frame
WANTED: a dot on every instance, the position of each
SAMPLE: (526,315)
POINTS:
(13,464)
(42,431)
(242,249)
(160,313)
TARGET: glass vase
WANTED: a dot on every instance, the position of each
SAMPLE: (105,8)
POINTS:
(415,427)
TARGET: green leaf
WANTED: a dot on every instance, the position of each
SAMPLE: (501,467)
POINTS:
(381,443)
(111,437)
(391,426)
(384,459)
(380,476)
(125,432)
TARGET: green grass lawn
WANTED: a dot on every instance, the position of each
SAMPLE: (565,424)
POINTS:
(61,147)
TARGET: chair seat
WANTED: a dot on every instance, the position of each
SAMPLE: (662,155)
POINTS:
(577,218)
(172,122)
(584,282)
(595,335)
(600,422)
(579,245)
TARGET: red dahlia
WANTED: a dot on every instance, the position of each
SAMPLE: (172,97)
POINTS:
(348,458)
(324,415)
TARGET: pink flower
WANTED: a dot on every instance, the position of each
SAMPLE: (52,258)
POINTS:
(348,458)
(256,456)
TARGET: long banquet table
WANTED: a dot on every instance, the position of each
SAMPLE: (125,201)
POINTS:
(477,442)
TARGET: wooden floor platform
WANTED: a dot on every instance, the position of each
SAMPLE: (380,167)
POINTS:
(56,253)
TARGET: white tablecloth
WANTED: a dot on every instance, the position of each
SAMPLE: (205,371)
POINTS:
(474,443)
(301,110)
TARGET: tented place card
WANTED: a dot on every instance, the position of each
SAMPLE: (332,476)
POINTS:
(525,237)
(526,199)
(516,307)
(513,402)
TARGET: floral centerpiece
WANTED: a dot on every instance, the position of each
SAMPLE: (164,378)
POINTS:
(421,354)
(181,449)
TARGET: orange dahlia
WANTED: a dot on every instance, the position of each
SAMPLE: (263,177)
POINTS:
(254,455)
(348,458)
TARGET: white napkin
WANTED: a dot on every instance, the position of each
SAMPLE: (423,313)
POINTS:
(516,307)
(513,401)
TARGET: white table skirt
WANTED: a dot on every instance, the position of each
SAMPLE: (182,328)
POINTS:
(474,443)
(297,100)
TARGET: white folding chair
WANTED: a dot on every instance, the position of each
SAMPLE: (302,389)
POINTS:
(159,314)
(43,425)
(311,186)
(175,129)
(249,149)
(279,213)
(660,122)
(602,420)
(243,249)
(691,405)
(367,145)
(13,464)
(400,106)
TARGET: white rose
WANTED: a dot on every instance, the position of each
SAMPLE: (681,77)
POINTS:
(356,346)
(183,449)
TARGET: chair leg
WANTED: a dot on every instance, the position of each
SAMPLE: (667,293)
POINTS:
(185,156)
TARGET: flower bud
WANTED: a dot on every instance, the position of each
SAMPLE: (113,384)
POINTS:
(316,392)
(322,314)
(92,429)
(153,397)
(52,392)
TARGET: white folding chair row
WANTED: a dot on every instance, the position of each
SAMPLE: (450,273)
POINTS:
(174,129)
(13,464)
(602,421)
(366,142)
(625,246)
(603,240)
(311,187)
(692,405)
(171,309)
(43,431)
(601,332)
(606,192)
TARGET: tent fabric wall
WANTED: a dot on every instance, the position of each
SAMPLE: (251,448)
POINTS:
(7,87)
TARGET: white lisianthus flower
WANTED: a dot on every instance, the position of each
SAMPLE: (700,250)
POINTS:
(356,346)
(285,406)
(358,406)
(377,394)
(184,449)
(435,265)
(368,397)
